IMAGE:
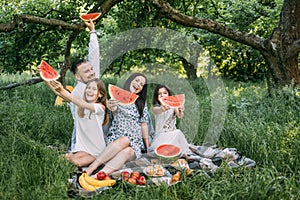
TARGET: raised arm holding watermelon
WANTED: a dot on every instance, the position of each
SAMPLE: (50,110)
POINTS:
(85,70)
(166,108)
(128,129)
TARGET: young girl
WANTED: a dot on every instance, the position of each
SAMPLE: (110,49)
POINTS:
(129,130)
(165,122)
(92,114)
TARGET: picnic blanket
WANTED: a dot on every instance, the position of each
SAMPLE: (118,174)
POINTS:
(198,158)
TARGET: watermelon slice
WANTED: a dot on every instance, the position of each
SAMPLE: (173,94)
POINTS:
(125,97)
(47,73)
(168,152)
(92,16)
(174,101)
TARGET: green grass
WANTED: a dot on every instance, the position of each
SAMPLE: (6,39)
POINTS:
(34,134)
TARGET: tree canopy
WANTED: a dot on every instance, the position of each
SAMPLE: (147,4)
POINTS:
(246,40)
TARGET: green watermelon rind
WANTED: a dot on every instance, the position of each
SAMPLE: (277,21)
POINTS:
(88,16)
(45,70)
(165,157)
(130,98)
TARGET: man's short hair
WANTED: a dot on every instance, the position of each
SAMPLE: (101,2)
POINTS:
(76,64)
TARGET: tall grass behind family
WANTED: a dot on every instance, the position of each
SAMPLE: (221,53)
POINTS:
(34,135)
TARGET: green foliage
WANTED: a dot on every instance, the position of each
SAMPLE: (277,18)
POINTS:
(129,15)
(237,61)
(234,60)
(23,48)
(34,135)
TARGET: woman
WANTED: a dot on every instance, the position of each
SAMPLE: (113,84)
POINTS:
(128,132)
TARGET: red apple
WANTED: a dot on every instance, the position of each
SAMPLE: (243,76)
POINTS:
(132,180)
(141,180)
(125,174)
(135,174)
(101,175)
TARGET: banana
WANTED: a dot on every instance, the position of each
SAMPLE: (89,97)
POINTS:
(84,184)
(98,183)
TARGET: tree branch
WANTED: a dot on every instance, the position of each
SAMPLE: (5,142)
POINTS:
(27,82)
(209,25)
(19,19)
(107,5)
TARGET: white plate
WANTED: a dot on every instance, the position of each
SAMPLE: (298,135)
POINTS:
(145,171)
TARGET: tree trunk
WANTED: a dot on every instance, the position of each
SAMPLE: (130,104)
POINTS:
(191,70)
(283,71)
(283,46)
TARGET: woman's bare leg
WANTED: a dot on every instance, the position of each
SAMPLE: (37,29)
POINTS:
(118,161)
(109,152)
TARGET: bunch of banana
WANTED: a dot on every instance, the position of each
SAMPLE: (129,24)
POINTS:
(89,183)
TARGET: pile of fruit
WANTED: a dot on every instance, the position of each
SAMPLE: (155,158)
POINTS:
(134,177)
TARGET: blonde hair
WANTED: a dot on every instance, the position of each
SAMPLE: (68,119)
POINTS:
(102,100)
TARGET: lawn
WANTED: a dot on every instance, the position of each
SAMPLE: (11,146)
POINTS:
(34,134)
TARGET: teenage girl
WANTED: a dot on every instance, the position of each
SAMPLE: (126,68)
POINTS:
(92,114)
(165,122)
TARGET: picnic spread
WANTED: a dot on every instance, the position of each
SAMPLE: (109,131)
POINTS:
(158,171)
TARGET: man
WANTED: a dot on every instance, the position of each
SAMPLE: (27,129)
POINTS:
(85,70)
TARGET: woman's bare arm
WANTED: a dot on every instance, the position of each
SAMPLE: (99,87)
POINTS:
(145,134)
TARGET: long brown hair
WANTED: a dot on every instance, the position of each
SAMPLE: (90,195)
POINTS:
(155,100)
(141,101)
(102,91)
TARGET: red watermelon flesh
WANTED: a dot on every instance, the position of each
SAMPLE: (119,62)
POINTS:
(47,73)
(167,151)
(125,97)
(92,16)
(174,101)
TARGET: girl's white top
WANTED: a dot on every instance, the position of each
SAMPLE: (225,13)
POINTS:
(89,133)
(166,121)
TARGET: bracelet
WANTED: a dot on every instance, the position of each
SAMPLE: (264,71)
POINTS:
(93,31)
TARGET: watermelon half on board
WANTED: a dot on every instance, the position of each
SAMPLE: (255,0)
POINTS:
(47,72)
(125,97)
(168,152)
(92,16)
(174,101)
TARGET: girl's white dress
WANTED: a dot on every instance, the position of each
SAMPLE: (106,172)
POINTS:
(167,133)
(89,133)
